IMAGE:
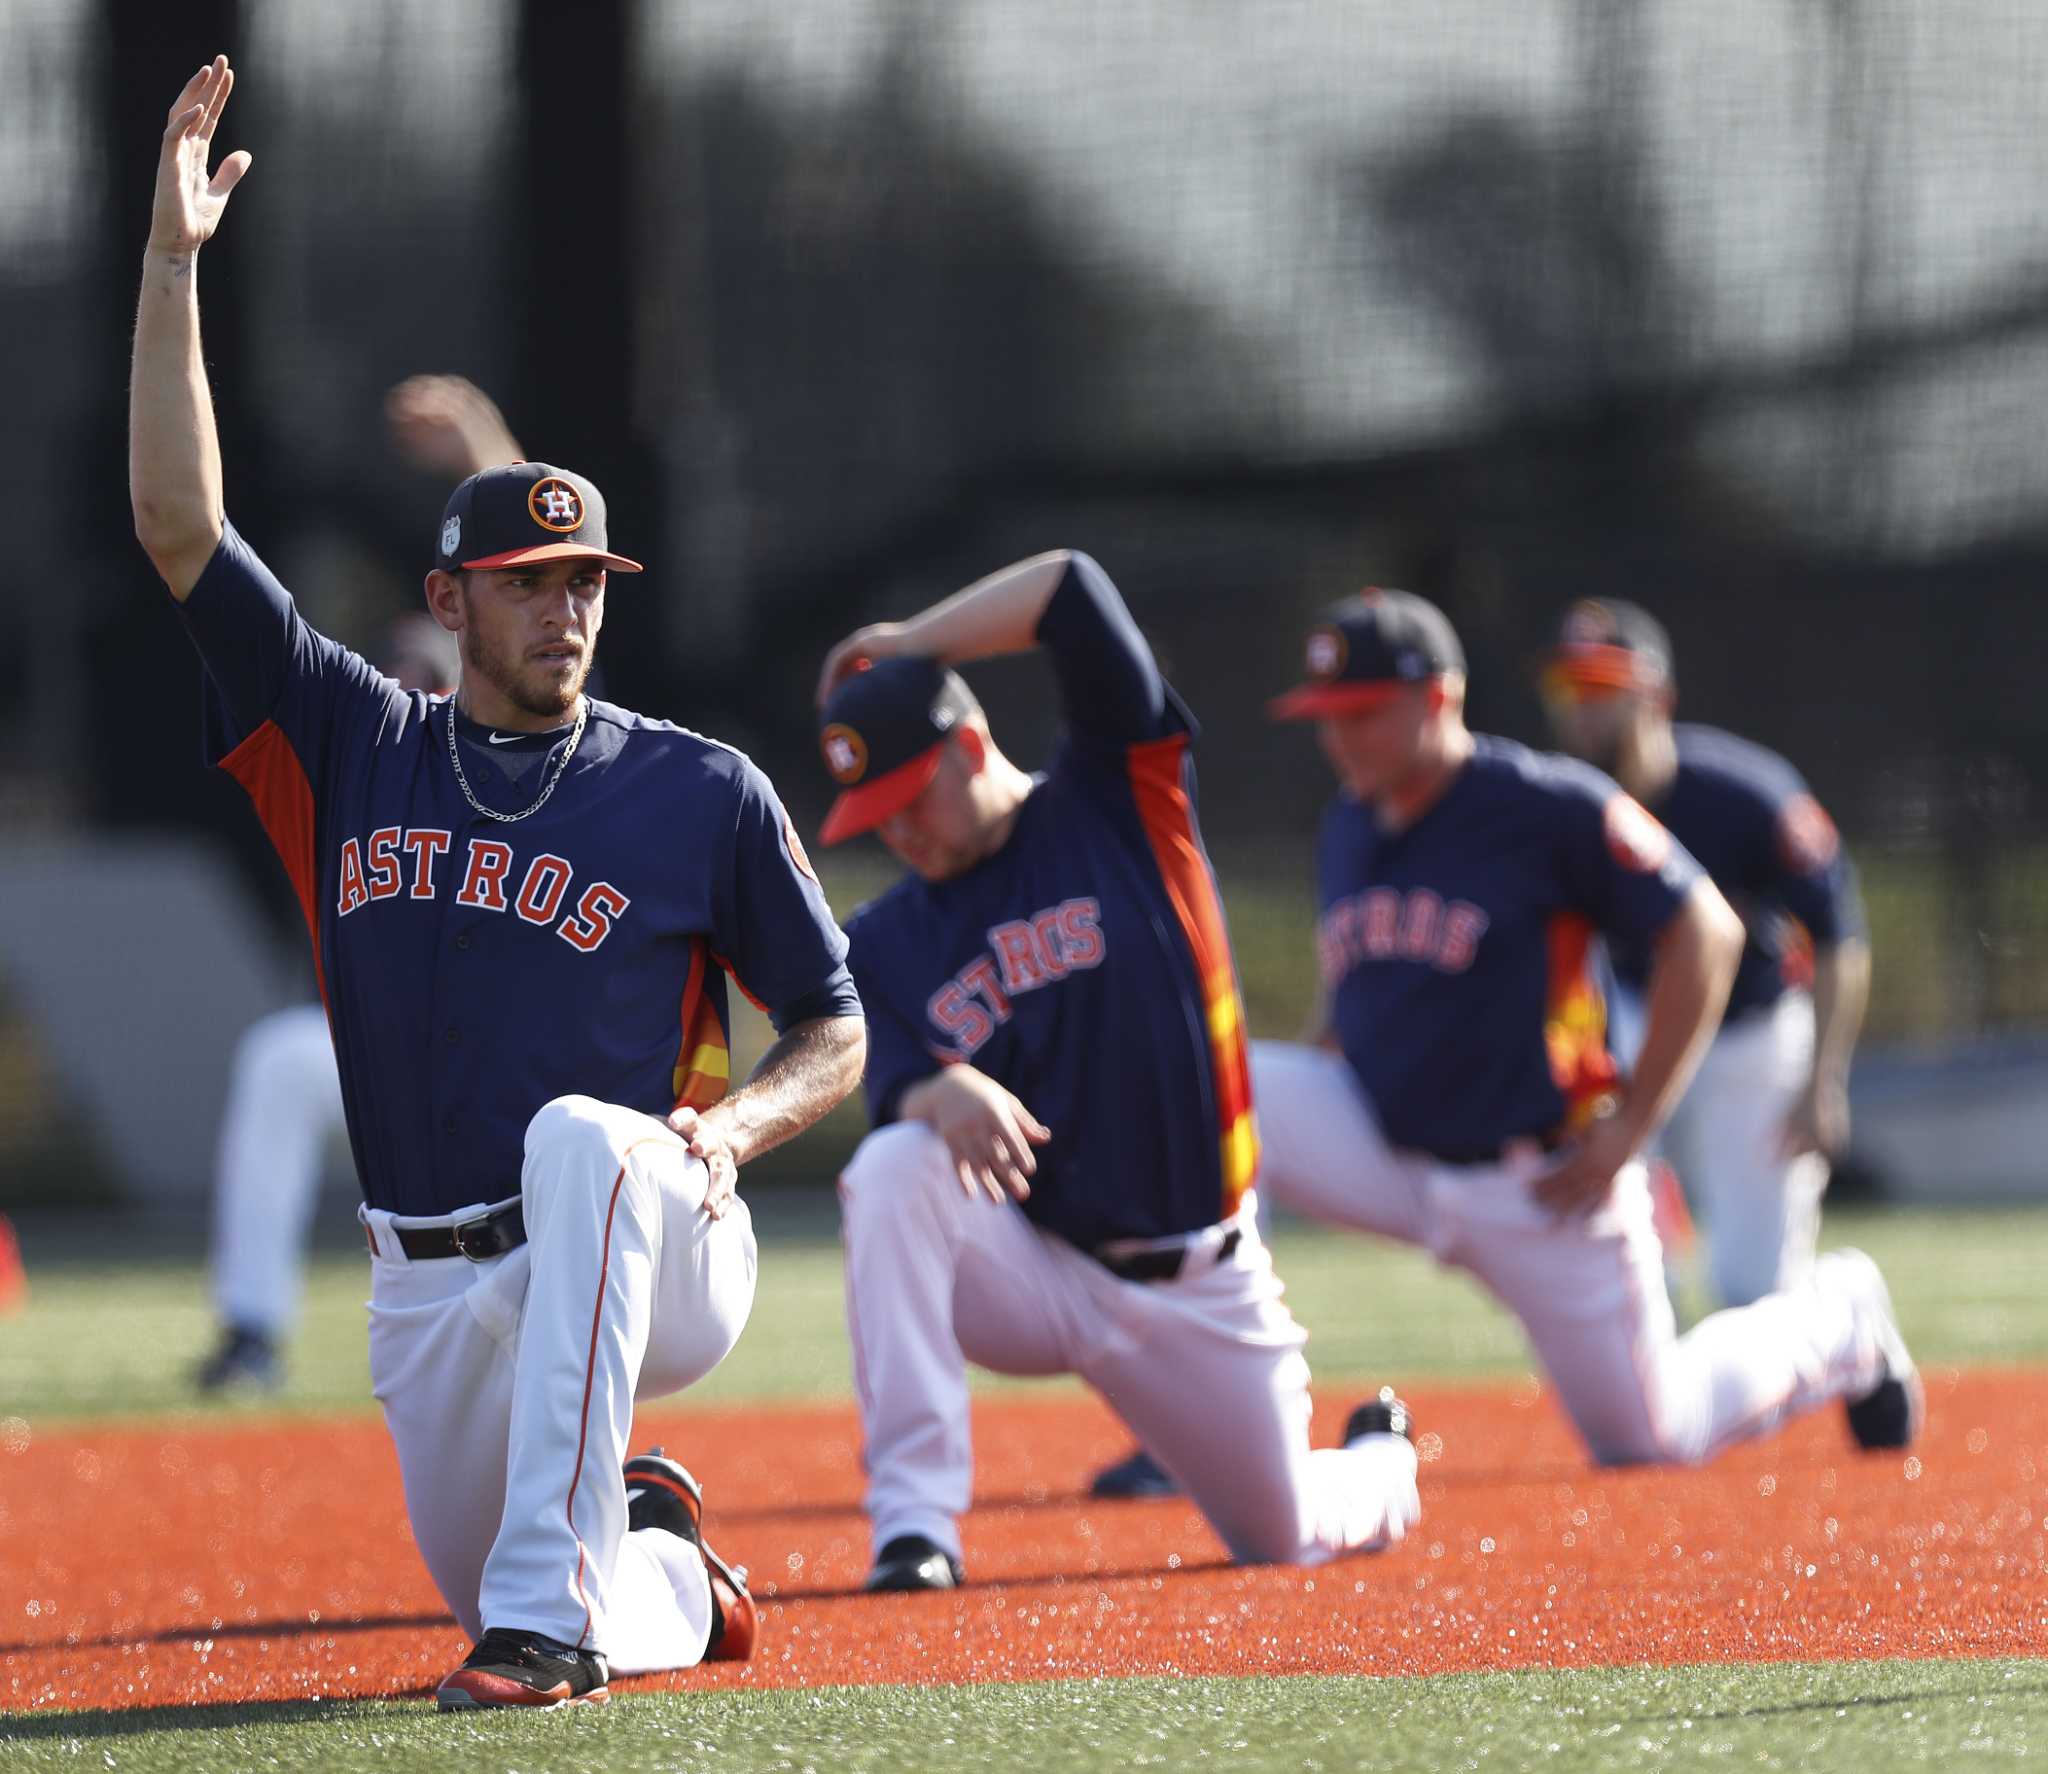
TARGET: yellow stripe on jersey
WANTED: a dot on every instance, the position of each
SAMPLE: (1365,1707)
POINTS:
(711,1059)
(1224,1016)
(1240,1160)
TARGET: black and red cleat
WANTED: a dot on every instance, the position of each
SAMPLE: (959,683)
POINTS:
(513,1668)
(660,1493)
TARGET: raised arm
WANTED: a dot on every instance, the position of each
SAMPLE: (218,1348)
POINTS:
(991,617)
(174,478)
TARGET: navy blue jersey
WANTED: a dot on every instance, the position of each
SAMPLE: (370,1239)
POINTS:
(473,970)
(1457,953)
(1755,827)
(1084,965)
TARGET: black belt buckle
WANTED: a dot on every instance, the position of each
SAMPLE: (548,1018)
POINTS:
(489,1235)
(1164,1265)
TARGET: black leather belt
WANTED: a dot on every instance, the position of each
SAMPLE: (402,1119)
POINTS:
(1165,1263)
(488,1235)
(1552,1141)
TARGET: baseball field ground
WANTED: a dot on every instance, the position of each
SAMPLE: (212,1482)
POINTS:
(199,1587)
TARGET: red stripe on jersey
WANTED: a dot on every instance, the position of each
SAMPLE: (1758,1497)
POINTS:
(1158,780)
(732,975)
(275,781)
(1575,1021)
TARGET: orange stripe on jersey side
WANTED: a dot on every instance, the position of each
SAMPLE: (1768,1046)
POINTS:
(275,781)
(1157,779)
(703,1068)
(1575,1021)
(732,974)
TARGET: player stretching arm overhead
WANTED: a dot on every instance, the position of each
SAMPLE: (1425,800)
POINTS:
(523,904)
(284,1096)
(1473,1107)
(1770,1103)
(1060,1175)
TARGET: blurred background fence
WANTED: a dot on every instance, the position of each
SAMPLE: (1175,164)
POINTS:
(1739,309)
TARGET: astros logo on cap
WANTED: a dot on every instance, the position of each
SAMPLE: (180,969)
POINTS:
(555,504)
(1327,651)
(846,753)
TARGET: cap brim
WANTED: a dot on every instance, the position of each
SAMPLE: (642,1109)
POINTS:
(555,551)
(1308,702)
(1601,665)
(862,809)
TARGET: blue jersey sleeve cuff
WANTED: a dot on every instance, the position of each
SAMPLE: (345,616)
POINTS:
(837,996)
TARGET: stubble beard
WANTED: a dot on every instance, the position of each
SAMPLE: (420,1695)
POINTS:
(547,698)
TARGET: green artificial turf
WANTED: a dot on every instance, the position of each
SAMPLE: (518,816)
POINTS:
(1867,1717)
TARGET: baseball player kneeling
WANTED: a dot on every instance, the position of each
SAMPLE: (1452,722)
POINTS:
(1752,1136)
(1466,1100)
(522,903)
(1060,1174)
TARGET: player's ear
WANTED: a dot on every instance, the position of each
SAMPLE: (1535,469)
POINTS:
(444,600)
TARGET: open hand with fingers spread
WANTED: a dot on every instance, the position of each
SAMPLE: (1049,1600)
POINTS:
(448,425)
(188,204)
(988,1132)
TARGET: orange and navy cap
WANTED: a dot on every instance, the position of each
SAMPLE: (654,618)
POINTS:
(882,733)
(1368,648)
(521,513)
(1609,644)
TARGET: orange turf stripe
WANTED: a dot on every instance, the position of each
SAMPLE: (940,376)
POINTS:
(1169,819)
(275,781)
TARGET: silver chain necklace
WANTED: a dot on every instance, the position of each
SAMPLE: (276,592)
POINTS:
(547,788)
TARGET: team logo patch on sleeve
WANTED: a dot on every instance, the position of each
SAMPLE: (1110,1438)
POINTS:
(796,851)
(1634,837)
(555,504)
(1807,839)
(846,753)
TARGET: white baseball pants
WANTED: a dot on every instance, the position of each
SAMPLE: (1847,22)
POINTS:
(509,1384)
(1206,1369)
(284,1104)
(1589,1291)
(1760,1211)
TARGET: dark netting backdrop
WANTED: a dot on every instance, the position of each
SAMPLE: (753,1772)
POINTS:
(1738,309)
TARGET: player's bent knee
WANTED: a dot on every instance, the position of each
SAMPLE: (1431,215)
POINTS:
(889,1164)
(573,1127)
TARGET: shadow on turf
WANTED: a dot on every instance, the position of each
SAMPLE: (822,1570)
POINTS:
(1824,1703)
(146,1721)
(241,1629)
(298,1628)
(783,1592)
